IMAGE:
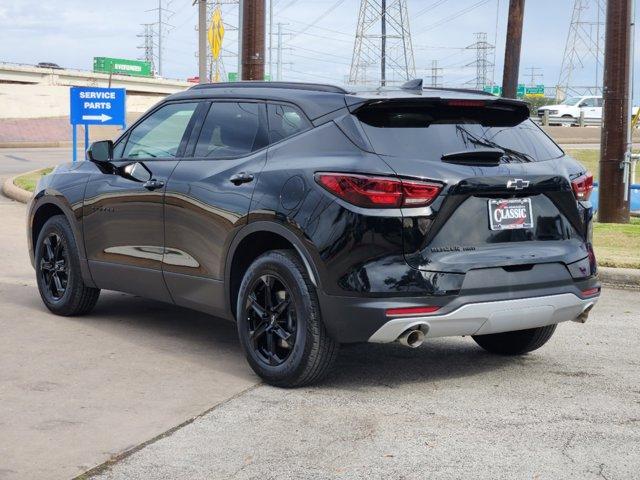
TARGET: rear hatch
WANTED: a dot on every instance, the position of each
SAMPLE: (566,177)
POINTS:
(507,199)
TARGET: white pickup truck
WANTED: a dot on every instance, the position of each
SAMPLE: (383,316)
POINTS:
(572,106)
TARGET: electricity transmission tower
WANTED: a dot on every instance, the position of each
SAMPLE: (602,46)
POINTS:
(161,28)
(436,75)
(383,40)
(584,48)
(148,45)
(484,51)
(533,75)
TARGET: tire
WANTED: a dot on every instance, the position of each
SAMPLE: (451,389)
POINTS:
(56,256)
(279,322)
(517,342)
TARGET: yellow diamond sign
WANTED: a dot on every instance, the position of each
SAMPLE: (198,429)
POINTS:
(216,33)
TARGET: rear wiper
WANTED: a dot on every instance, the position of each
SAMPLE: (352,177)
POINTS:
(488,143)
(484,156)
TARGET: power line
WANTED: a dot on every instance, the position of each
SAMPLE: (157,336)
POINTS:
(453,16)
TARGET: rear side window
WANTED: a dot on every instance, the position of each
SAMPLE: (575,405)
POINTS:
(160,134)
(430,132)
(285,121)
(230,130)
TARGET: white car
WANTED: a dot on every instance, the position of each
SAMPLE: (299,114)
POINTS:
(571,107)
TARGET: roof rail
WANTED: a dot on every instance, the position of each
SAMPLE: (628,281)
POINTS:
(316,87)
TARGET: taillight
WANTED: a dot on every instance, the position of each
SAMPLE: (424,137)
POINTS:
(582,186)
(379,192)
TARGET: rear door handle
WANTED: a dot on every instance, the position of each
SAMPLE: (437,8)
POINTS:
(153,184)
(240,178)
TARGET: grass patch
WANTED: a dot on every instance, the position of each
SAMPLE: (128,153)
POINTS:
(29,181)
(617,245)
(590,158)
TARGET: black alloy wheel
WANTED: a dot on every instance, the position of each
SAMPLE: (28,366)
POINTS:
(54,267)
(279,322)
(58,271)
(271,320)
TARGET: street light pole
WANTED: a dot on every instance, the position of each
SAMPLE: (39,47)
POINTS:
(512,49)
(615,154)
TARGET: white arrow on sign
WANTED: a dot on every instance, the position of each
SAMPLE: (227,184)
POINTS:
(102,118)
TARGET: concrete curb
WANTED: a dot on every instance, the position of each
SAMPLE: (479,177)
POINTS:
(628,278)
(14,192)
(53,144)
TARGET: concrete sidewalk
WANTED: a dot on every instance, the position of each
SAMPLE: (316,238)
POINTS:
(74,392)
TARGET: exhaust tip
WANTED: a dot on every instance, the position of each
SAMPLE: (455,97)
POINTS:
(412,338)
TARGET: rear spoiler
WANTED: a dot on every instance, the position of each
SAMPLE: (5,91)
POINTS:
(495,110)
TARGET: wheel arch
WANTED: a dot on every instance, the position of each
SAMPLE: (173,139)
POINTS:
(44,207)
(251,242)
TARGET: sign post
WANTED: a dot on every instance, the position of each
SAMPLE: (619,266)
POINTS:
(96,106)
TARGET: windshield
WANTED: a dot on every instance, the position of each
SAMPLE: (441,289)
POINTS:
(571,101)
(432,133)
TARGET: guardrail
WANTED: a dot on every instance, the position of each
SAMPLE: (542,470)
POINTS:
(547,120)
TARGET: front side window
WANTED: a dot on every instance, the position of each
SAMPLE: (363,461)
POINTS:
(230,130)
(588,102)
(160,134)
(285,121)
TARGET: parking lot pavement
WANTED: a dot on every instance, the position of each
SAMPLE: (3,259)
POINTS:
(76,391)
(19,160)
(445,410)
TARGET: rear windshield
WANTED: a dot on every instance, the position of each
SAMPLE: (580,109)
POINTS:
(432,132)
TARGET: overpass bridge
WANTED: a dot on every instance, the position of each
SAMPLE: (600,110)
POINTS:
(29,75)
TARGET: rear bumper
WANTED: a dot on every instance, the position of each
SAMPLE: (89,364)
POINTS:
(490,317)
(505,307)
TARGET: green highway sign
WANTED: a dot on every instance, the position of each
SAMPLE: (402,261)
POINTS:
(522,91)
(122,66)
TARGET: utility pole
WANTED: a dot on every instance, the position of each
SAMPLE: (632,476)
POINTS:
(271,39)
(512,49)
(202,40)
(253,26)
(614,161)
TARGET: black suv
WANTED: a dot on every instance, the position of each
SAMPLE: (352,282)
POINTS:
(314,216)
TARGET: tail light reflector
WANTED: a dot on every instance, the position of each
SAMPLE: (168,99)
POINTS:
(411,311)
(591,292)
(583,186)
(379,192)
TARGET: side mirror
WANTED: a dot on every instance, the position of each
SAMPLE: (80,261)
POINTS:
(138,172)
(101,151)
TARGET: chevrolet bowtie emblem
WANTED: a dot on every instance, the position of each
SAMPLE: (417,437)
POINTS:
(518,184)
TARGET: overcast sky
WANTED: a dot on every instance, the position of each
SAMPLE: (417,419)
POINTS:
(319,41)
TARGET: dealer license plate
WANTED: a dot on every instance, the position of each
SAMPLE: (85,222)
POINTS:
(510,214)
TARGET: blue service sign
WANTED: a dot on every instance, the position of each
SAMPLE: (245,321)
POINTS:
(98,106)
